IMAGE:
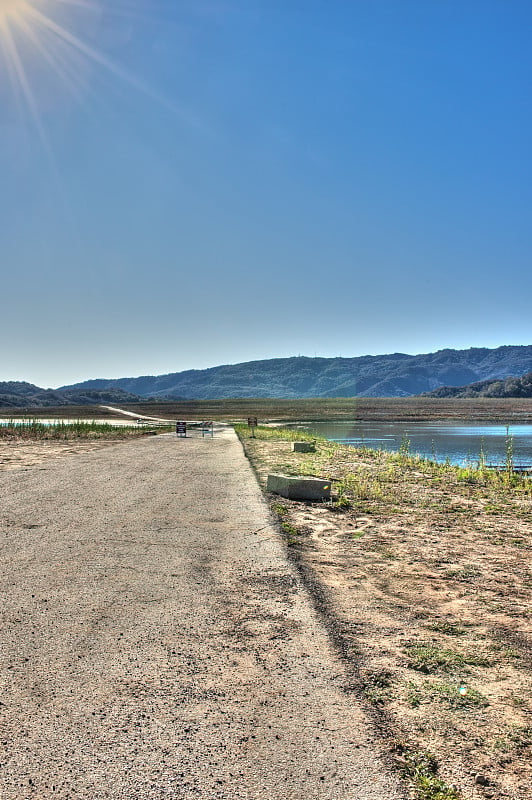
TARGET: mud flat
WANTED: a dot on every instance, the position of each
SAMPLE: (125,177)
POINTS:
(505,411)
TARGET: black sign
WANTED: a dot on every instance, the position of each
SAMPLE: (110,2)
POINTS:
(252,422)
(181,428)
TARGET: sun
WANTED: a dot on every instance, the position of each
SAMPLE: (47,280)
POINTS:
(12,10)
(39,35)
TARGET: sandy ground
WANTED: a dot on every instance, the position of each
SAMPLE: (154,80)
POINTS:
(156,642)
(23,453)
(428,584)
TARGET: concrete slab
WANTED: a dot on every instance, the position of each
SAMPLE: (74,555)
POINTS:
(303,447)
(298,488)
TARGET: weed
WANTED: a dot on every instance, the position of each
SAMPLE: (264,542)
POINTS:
(367,488)
(458,696)
(428,658)
(414,695)
(430,787)
(421,767)
(516,738)
(290,531)
(404,447)
(482,455)
(376,696)
(505,652)
(517,700)
(377,687)
(75,429)
(455,695)
(509,447)
(449,628)
(280,434)
(465,573)
(344,488)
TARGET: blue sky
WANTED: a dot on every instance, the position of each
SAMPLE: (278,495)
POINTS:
(190,183)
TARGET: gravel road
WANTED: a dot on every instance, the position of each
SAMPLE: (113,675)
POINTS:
(156,642)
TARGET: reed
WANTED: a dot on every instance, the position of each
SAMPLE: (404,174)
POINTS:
(33,429)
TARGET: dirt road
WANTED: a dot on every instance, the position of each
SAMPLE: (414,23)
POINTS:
(157,644)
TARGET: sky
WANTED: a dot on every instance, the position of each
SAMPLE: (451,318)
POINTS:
(186,183)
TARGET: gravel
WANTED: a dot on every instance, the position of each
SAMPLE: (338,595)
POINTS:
(156,642)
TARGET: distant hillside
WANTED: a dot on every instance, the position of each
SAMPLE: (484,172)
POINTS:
(396,375)
(510,387)
(19,394)
(475,372)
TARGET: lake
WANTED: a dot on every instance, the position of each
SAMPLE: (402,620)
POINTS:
(460,444)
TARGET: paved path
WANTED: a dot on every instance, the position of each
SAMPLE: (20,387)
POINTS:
(134,414)
(157,644)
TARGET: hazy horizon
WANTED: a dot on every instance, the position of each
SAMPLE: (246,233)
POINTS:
(187,185)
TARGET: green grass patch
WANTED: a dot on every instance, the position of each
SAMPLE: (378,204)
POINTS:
(431,658)
(459,696)
(454,695)
(421,767)
(290,531)
(267,433)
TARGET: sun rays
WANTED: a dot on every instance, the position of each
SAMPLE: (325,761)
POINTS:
(41,36)
(31,41)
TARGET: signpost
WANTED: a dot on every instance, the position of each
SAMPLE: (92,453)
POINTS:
(207,425)
(181,429)
(252,423)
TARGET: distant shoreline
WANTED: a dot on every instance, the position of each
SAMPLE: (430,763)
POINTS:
(404,409)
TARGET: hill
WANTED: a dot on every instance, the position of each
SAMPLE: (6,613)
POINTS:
(510,387)
(477,372)
(395,375)
(20,394)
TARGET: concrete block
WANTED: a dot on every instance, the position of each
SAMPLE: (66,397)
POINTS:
(303,447)
(296,488)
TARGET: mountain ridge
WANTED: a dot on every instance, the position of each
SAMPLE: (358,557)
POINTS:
(388,375)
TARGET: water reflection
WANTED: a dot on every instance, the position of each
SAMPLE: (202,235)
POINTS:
(459,444)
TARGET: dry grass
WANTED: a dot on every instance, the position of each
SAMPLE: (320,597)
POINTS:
(427,573)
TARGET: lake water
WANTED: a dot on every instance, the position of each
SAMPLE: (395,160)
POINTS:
(461,444)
